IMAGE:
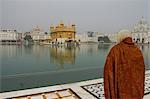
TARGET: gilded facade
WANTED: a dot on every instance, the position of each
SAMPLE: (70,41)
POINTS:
(62,33)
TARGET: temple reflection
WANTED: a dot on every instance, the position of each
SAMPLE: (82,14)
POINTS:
(62,55)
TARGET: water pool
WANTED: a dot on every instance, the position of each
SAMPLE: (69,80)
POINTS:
(32,66)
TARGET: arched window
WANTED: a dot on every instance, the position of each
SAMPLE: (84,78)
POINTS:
(142,40)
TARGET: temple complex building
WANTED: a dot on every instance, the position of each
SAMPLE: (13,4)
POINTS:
(141,32)
(87,37)
(38,34)
(93,37)
(10,36)
(62,33)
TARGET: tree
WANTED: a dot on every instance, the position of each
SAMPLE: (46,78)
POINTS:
(28,38)
(104,39)
(45,32)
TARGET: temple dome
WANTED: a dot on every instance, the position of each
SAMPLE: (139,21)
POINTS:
(142,26)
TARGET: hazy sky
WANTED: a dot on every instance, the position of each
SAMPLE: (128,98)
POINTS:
(0,13)
(149,11)
(89,15)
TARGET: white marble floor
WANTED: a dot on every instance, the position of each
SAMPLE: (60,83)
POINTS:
(91,89)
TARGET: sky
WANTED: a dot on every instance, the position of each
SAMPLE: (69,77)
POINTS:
(0,13)
(106,16)
(149,12)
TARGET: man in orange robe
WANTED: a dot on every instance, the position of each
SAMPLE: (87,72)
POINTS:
(124,71)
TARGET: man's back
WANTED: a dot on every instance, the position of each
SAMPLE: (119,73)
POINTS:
(124,72)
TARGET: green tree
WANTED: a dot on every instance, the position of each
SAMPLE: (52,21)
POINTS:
(28,38)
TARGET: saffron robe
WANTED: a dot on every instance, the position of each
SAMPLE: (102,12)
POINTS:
(124,72)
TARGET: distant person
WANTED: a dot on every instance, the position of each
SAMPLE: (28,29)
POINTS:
(124,71)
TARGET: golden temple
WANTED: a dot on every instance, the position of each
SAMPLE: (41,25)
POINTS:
(62,33)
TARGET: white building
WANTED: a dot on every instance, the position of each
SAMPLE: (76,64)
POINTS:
(113,37)
(87,37)
(141,32)
(10,36)
(94,37)
(38,34)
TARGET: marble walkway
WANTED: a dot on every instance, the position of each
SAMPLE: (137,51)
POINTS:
(91,89)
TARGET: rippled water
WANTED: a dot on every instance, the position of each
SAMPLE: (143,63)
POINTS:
(33,66)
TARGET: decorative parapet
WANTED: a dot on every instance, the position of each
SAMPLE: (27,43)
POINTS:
(61,27)
(63,32)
